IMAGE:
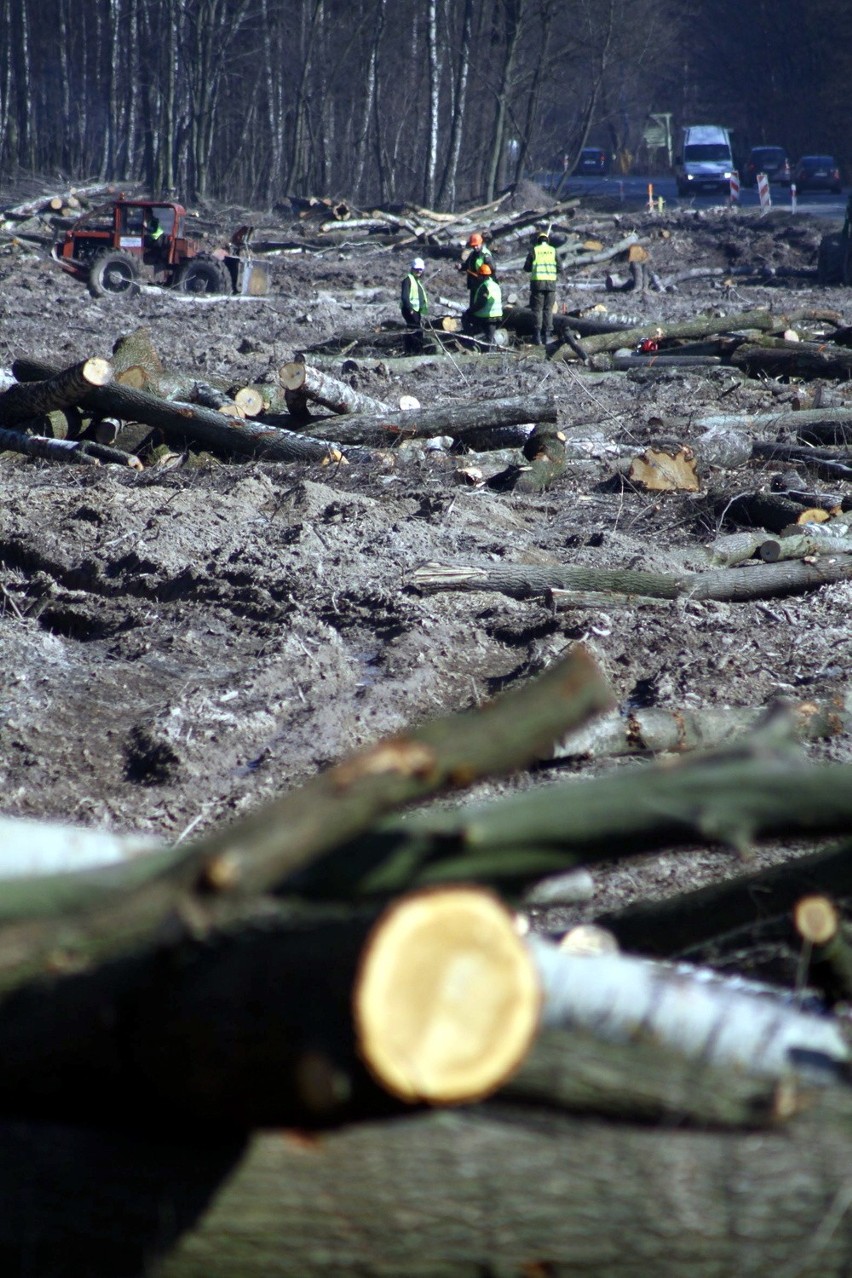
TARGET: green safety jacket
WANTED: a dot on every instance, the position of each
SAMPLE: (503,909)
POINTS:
(413,296)
(544,265)
(488,300)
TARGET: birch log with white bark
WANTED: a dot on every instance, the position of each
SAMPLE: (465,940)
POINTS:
(723,1021)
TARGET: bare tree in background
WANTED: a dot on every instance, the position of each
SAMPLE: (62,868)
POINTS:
(434,101)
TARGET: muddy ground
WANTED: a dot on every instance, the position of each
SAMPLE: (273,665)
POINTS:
(182,643)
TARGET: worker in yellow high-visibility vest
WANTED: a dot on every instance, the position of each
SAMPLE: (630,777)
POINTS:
(543,266)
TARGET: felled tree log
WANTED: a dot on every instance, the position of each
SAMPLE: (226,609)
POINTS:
(819,923)
(830,462)
(524,582)
(186,423)
(447,997)
(702,326)
(451,419)
(734,914)
(57,390)
(793,359)
(657,730)
(313,384)
(61,450)
(136,360)
(796,420)
(735,797)
(481,1189)
(693,1011)
(771,511)
(798,546)
(489,440)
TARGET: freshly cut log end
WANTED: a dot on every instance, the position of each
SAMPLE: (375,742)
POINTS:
(249,401)
(816,919)
(447,999)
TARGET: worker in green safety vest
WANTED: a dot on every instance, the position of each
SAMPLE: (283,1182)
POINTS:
(486,306)
(543,267)
(414,305)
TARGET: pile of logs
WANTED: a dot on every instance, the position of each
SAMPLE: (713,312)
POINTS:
(265,1050)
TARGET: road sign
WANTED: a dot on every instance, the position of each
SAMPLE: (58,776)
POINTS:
(735,187)
(763,192)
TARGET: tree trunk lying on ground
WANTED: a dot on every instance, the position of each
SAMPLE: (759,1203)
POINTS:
(187,423)
(525,582)
(657,730)
(483,1189)
(55,388)
(702,326)
(793,359)
(204,998)
(451,419)
(311,383)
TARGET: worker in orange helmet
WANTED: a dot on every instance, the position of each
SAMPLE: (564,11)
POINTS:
(472,258)
(486,306)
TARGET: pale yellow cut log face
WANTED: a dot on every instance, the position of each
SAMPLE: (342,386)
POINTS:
(659,471)
(447,1000)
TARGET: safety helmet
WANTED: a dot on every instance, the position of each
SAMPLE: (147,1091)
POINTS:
(475,240)
(542,232)
(484,269)
(418,264)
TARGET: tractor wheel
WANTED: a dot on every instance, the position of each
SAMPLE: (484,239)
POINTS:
(204,274)
(113,272)
(830,258)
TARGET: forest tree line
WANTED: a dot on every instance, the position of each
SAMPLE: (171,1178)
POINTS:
(381,101)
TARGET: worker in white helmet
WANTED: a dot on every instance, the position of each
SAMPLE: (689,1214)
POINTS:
(414,305)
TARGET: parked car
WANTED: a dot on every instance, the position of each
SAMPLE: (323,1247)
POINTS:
(817,173)
(593,161)
(771,160)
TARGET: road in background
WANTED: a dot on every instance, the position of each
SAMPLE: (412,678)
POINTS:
(631,188)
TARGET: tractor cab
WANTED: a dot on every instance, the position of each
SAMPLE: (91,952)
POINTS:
(114,247)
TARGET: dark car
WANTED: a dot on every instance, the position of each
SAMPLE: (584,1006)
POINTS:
(817,173)
(771,160)
(593,161)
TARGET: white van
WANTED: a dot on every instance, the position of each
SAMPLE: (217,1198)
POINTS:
(704,161)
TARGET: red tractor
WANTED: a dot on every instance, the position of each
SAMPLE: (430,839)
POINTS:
(115,246)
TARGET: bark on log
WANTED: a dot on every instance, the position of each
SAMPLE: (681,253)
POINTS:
(794,359)
(323,389)
(522,582)
(58,389)
(734,798)
(771,511)
(706,1016)
(658,730)
(61,450)
(732,914)
(451,419)
(702,326)
(481,1190)
(185,423)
